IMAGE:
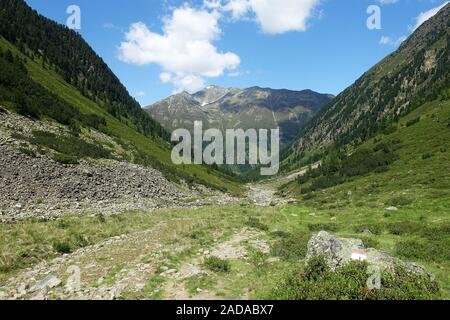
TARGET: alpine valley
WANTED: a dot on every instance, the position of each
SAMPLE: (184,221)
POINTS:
(92,207)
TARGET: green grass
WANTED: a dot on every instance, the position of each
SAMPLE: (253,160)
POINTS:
(317,282)
(419,234)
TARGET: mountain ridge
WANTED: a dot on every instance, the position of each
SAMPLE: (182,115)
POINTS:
(229,108)
(415,73)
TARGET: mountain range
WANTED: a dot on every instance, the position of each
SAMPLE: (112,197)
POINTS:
(229,108)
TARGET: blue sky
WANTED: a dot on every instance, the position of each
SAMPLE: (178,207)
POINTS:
(160,47)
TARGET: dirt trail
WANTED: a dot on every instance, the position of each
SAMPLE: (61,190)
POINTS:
(121,266)
(231,249)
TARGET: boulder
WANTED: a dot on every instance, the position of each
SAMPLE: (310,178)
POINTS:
(340,251)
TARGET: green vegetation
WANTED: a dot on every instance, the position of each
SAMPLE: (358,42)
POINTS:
(69,147)
(256,224)
(291,247)
(337,167)
(29,98)
(65,51)
(317,282)
(418,234)
(217,265)
(417,73)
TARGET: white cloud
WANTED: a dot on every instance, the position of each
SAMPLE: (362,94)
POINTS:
(280,16)
(385,40)
(387,1)
(238,8)
(185,50)
(424,16)
(274,16)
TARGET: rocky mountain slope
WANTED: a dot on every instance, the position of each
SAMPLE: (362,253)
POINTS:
(417,72)
(60,118)
(228,108)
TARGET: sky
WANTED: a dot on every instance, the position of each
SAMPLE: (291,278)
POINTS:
(158,48)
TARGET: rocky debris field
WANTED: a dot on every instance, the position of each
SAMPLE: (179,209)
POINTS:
(33,185)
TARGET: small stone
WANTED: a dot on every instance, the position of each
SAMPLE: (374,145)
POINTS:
(100,280)
(392,209)
(3,295)
(22,290)
(168,272)
(40,296)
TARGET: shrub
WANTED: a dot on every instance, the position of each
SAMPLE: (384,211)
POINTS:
(292,247)
(64,159)
(62,247)
(101,218)
(280,234)
(413,122)
(404,227)
(70,146)
(81,241)
(256,224)
(309,196)
(217,265)
(427,155)
(316,281)
(314,227)
(369,242)
(437,251)
(399,201)
(375,228)
(201,236)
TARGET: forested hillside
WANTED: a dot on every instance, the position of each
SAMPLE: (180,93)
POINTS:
(65,50)
(416,73)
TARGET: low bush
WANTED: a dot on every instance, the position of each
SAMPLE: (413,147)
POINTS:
(292,247)
(69,147)
(315,227)
(217,265)
(316,281)
(413,122)
(256,224)
(375,228)
(369,242)
(62,247)
(280,234)
(64,159)
(427,155)
(437,251)
(404,227)
(399,201)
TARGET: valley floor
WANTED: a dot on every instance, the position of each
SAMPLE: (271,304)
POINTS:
(162,254)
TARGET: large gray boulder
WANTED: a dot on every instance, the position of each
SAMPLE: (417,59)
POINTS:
(340,251)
